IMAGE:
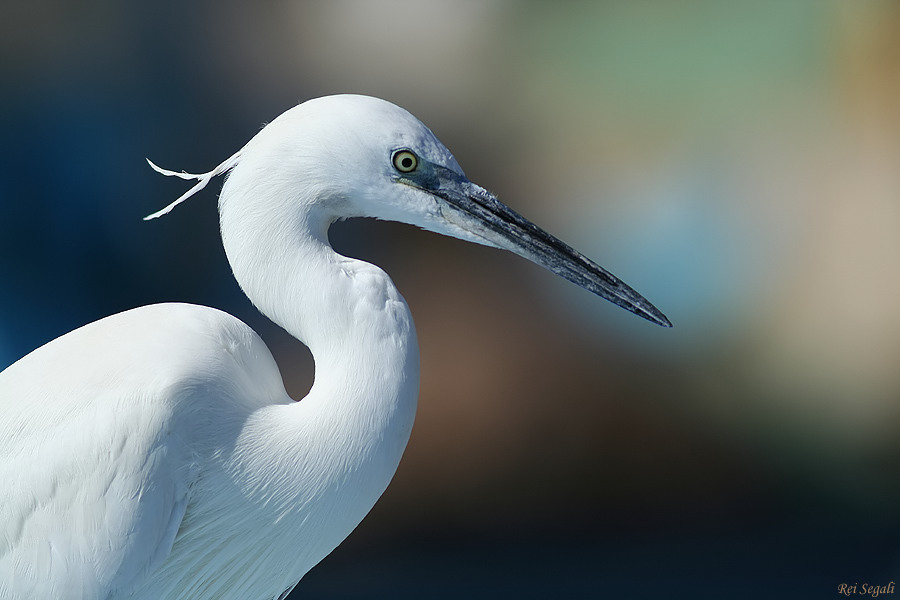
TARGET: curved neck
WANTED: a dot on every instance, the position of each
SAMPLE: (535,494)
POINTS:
(340,446)
(348,312)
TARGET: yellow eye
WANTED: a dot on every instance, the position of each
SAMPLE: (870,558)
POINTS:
(405,161)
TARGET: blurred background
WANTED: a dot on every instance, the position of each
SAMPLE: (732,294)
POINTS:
(736,163)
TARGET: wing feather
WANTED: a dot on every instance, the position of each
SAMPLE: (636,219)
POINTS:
(99,451)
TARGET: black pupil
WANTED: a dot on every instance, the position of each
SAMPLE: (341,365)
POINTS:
(406,162)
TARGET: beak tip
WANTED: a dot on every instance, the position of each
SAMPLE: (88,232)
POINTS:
(653,315)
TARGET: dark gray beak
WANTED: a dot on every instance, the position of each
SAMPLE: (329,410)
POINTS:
(476,210)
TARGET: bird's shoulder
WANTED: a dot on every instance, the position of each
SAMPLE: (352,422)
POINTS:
(144,369)
(143,349)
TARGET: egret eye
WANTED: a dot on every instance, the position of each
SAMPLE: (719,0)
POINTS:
(405,161)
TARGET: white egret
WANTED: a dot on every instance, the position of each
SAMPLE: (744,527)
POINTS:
(155,454)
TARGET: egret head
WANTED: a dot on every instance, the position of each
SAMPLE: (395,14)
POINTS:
(356,156)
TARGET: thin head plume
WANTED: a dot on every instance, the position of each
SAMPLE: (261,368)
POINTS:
(202,180)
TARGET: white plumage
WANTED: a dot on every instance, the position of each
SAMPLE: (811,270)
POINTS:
(154,454)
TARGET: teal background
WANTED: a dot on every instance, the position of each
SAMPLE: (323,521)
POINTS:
(736,163)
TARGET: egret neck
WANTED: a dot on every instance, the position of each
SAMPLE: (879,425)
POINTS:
(355,422)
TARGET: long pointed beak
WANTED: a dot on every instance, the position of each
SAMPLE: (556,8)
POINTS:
(476,210)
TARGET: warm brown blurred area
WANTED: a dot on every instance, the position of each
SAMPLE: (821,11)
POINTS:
(736,163)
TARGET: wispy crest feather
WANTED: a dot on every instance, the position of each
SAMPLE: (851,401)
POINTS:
(202,180)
